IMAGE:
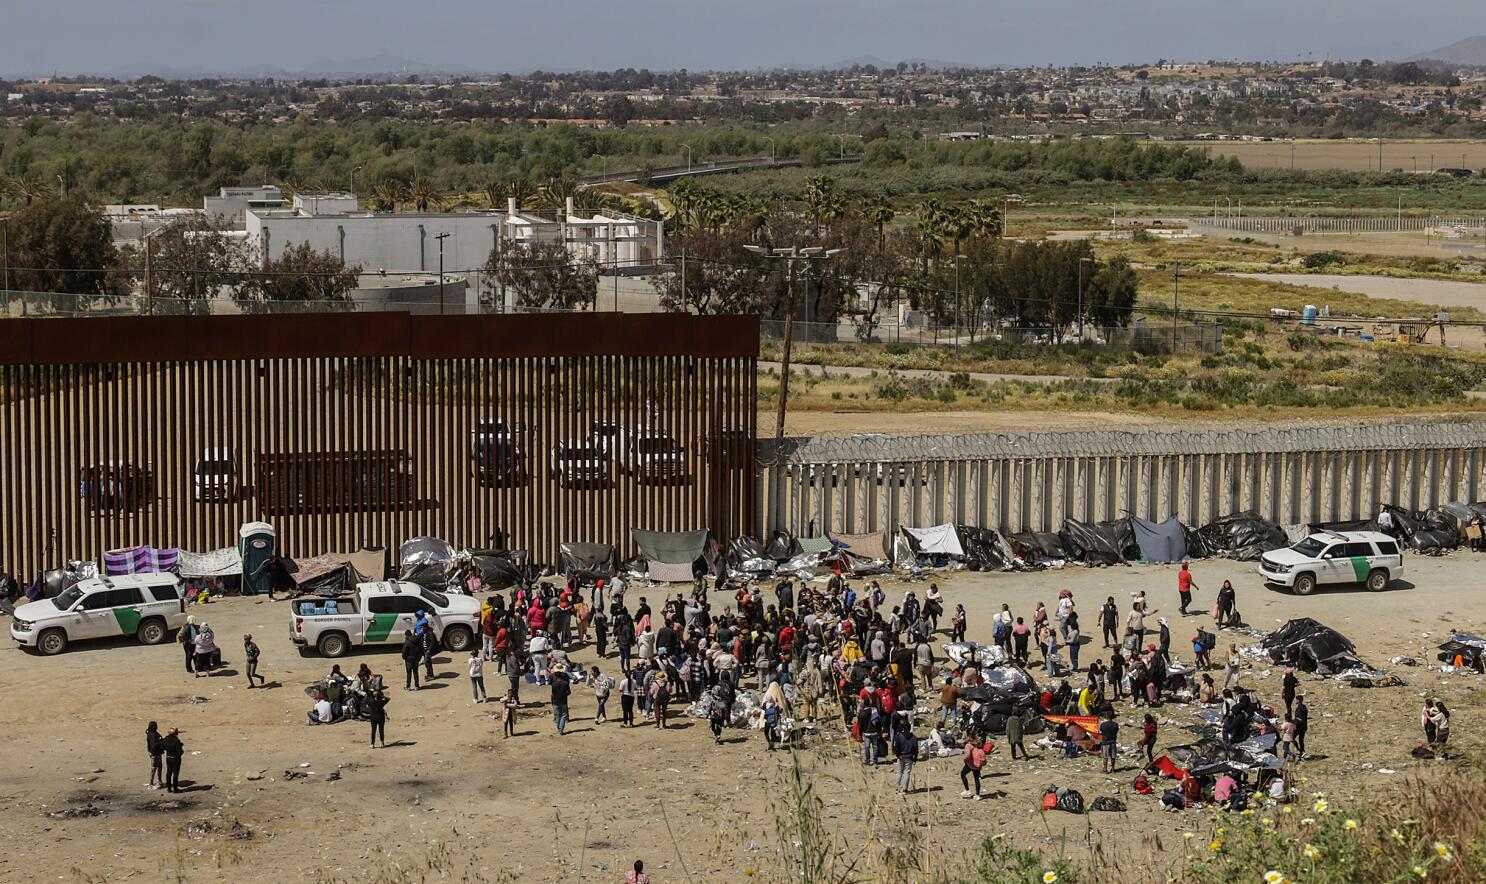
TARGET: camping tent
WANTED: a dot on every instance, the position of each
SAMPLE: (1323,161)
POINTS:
(681,555)
(588,561)
(1163,542)
(1038,549)
(1311,647)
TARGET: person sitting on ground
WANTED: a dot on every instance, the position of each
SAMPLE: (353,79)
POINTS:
(324,712)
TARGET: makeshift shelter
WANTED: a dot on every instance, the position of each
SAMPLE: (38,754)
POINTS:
(338,573)
(938,540)
(588,561)
(224,562)
(413,555)
(140,560)
(677,556)
(985,550)
(1099,543)
(1311,647)
(1163,542)
(867,546)
(1038,549)
(1464,650)
(1242,536)
(495,568)
(1430,532)
(782,546)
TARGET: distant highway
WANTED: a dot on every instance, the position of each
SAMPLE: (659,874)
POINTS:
(697,170)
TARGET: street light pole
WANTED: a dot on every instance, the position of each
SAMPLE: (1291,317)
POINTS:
(1176,279)
(353,183)
(687,148)
(441,237)
(1081,263)
(773,155)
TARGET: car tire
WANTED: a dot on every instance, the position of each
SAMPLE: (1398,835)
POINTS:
(457,639)
(1305,584)
(333,644)
(52,642)
(1377,580)
(151,632)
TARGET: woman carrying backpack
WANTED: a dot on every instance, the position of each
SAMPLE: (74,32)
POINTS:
(974,757)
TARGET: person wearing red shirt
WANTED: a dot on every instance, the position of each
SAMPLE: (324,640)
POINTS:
(1184,586)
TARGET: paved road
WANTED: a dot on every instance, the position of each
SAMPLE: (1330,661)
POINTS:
(697,170)
(861,371)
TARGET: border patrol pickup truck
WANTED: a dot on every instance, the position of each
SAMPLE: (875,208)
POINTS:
(378,614)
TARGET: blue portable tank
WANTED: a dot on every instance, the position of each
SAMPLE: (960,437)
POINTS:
(1308,315)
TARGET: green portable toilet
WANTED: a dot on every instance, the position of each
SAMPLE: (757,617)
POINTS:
(258,544)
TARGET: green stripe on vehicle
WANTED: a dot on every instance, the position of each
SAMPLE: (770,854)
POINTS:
(381,627)
(1360,567)
(128,620)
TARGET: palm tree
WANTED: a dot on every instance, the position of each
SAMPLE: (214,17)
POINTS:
(424,194)
(30,188)
(683,195)
(388,192)
(878,210)
(496,190)
(985,218)
(819,189)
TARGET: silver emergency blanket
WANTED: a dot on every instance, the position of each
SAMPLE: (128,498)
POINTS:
(747,707)
(424,551)
(961,653)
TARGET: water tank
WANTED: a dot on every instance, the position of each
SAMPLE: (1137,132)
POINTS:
(1308,315)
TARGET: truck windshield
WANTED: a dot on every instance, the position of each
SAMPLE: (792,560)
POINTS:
(434,598)
(213,468)
(68,598)
(656,445)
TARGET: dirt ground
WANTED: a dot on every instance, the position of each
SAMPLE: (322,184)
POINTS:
(453,797)
(1357,156)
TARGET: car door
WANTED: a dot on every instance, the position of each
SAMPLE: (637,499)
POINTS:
(1334,567)
(381,620)
(1359,558)
(408,606)
(94,617)
(125,606)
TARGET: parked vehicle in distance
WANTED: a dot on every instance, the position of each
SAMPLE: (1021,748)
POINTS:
(335,481)
(1335,557)
(729,445)
(496,457)
(116,485)
(579,464)
(146,606)
(217,475)
(378,613)
(655,458)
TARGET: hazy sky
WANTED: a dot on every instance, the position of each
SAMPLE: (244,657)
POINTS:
(92,36)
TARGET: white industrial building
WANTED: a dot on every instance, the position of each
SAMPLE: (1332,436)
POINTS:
(409,241)
(231,203)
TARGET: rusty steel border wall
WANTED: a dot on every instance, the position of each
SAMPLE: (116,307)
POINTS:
(158,392)
(1034,481)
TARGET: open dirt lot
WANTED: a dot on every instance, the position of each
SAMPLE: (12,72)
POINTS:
(1353,156)
(453,796)
(1444,292)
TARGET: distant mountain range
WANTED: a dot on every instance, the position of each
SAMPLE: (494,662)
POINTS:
(1471,51)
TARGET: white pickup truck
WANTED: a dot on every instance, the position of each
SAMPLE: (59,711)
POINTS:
(378,614)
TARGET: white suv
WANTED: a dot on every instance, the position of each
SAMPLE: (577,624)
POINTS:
(1366,557)
(147,606)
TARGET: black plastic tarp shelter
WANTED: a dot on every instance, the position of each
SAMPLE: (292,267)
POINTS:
(1160,542)
(1037,548)
(782,546)
(1243,536)
(588,561)
(1100,543)
(1311,647)
(985,550)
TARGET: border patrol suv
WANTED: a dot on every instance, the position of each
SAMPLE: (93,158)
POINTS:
(147,606)
(378,614)
(1367,557)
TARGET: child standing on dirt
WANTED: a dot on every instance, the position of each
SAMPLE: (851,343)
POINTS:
(153,746)
(250,654)
(509,705)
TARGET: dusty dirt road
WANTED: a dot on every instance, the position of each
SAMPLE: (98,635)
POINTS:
(452,796)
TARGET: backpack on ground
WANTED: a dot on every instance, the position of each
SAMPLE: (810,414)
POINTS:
(1050,798)
(1104,802)
(1143,785)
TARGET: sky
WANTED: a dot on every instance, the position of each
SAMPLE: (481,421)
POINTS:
(138,36)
